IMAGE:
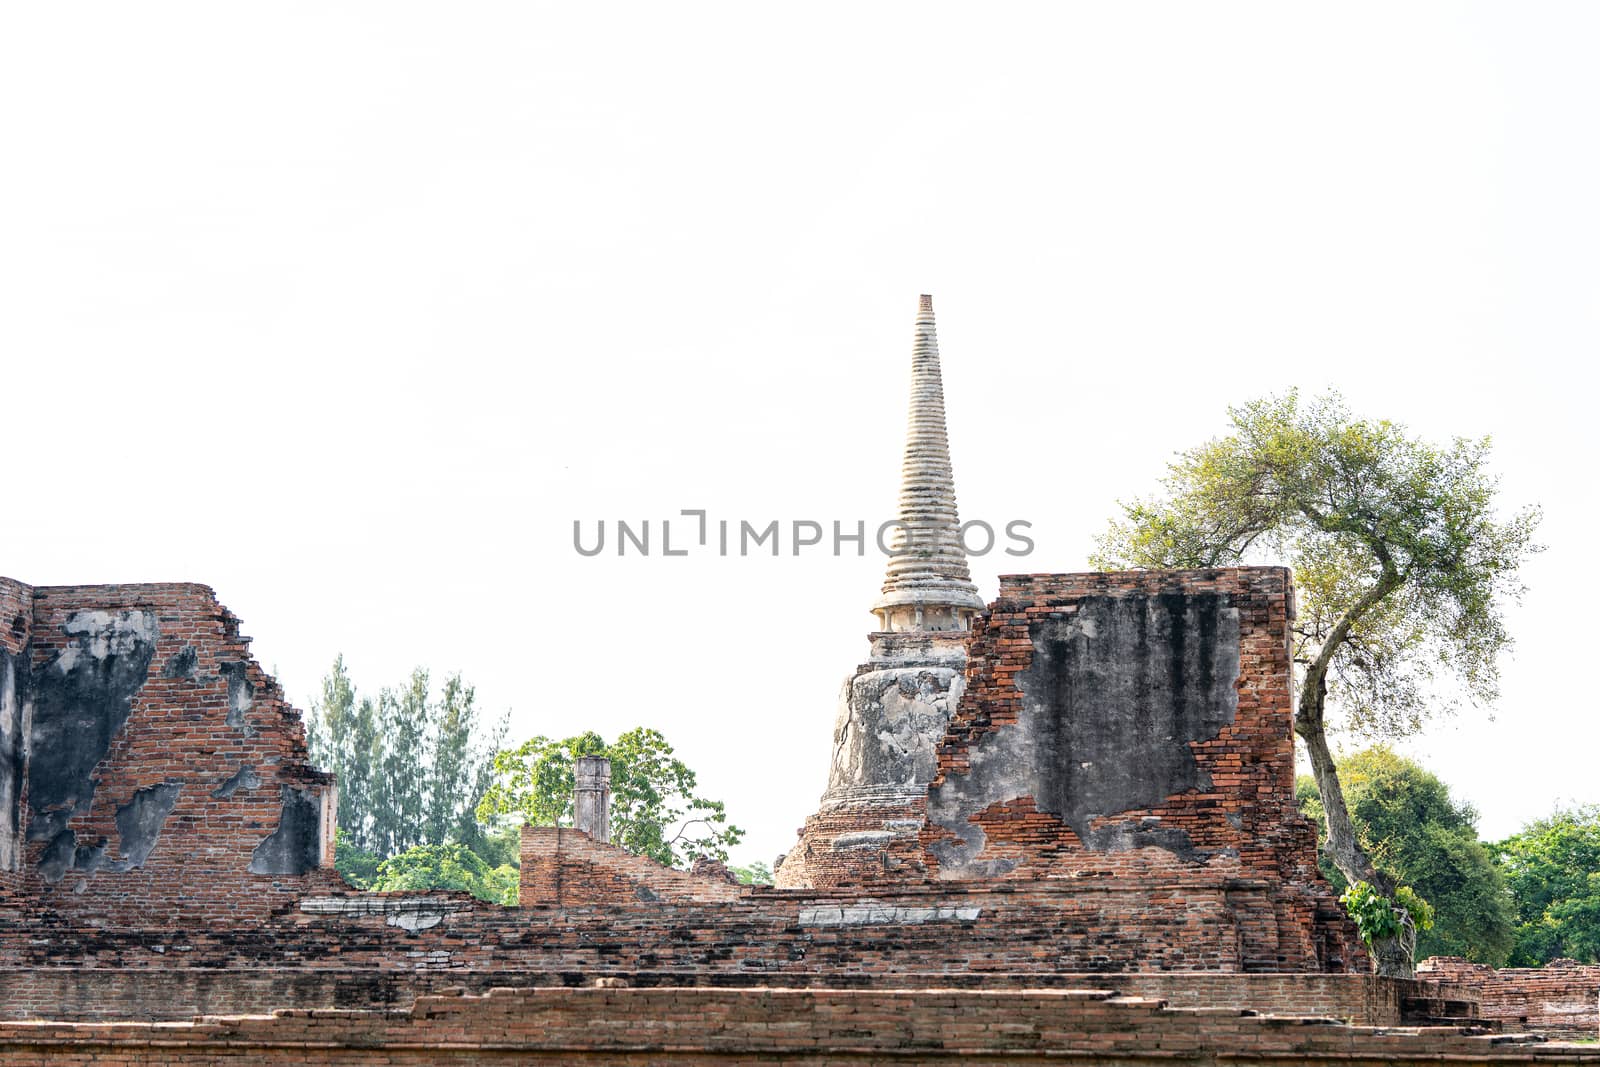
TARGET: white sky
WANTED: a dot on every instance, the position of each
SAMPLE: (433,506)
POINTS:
(349,310)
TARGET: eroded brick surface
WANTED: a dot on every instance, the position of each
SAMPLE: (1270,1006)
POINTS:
(799,1025)
(1558,998)
(163,763)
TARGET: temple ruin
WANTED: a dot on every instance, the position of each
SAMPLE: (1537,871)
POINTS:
(1062,820)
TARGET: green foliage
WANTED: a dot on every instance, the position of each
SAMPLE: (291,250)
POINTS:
(655,810)
(501,845)
(757,873)
(357,866)
(411,766)
(1380,918)
(450,866)
(1553,868)
(1400,562)
(1406,820)
(1401,568)
(1372,912)
(1418,910)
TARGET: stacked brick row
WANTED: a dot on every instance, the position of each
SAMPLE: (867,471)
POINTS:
(566,868)
(1562,997)
(180,993)
(847,846)
(655,1026)
(1042,927)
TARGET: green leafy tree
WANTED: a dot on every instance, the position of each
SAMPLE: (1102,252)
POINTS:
(356,865)
(1401,564)
(447,867)
(1380,918)
(399,807)
(1420,837)
(411,768)
(343,735)
(462,769)
(1553,868)
(757,873)
(655,810)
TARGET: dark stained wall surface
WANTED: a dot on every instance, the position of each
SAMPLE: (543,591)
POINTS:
(162,763)
(16,618)
(1138,726)
(1116,694)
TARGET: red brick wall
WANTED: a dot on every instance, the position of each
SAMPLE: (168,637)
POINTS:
(1244,819)
(1044,927)
(1249,807)
(16,614)
(1562,997)
(816,861)
(637,1026)
(566,868)
(178,734)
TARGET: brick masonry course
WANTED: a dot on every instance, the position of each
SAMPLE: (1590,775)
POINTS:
(1562,997)
(638,1026)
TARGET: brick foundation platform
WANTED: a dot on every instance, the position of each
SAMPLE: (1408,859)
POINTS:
(655,1026)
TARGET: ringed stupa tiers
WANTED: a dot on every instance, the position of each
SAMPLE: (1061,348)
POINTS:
(895,708)
(928,586)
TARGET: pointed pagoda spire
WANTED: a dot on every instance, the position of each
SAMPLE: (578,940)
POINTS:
(928,585)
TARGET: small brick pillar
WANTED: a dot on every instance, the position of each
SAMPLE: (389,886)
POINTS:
(592,797)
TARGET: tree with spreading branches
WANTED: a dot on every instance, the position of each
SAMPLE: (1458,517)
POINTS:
(655,808)
(1402,568)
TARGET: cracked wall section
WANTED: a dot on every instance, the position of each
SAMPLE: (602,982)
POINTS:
(162,754)
(1134,727)
(1118,691)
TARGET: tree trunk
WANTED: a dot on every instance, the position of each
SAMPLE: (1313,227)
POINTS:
(1390,954)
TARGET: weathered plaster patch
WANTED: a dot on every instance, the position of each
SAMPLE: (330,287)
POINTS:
(56,860)
(864,839)
(360,904)
(181,664)
(244,778)
(295,847)
(880,915)
(1113,698)
(12,679)
(890,722)
(405,913)
(81,700)
(241,696)
(139,823)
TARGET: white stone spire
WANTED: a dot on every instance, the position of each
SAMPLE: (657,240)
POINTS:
(928,585)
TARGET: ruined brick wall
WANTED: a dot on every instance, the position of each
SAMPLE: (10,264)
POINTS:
(689,1026)
(564,867)
(1156,707)
(173,823)
(1044,927)
(1562,997)
(1138,725)
(167,779)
